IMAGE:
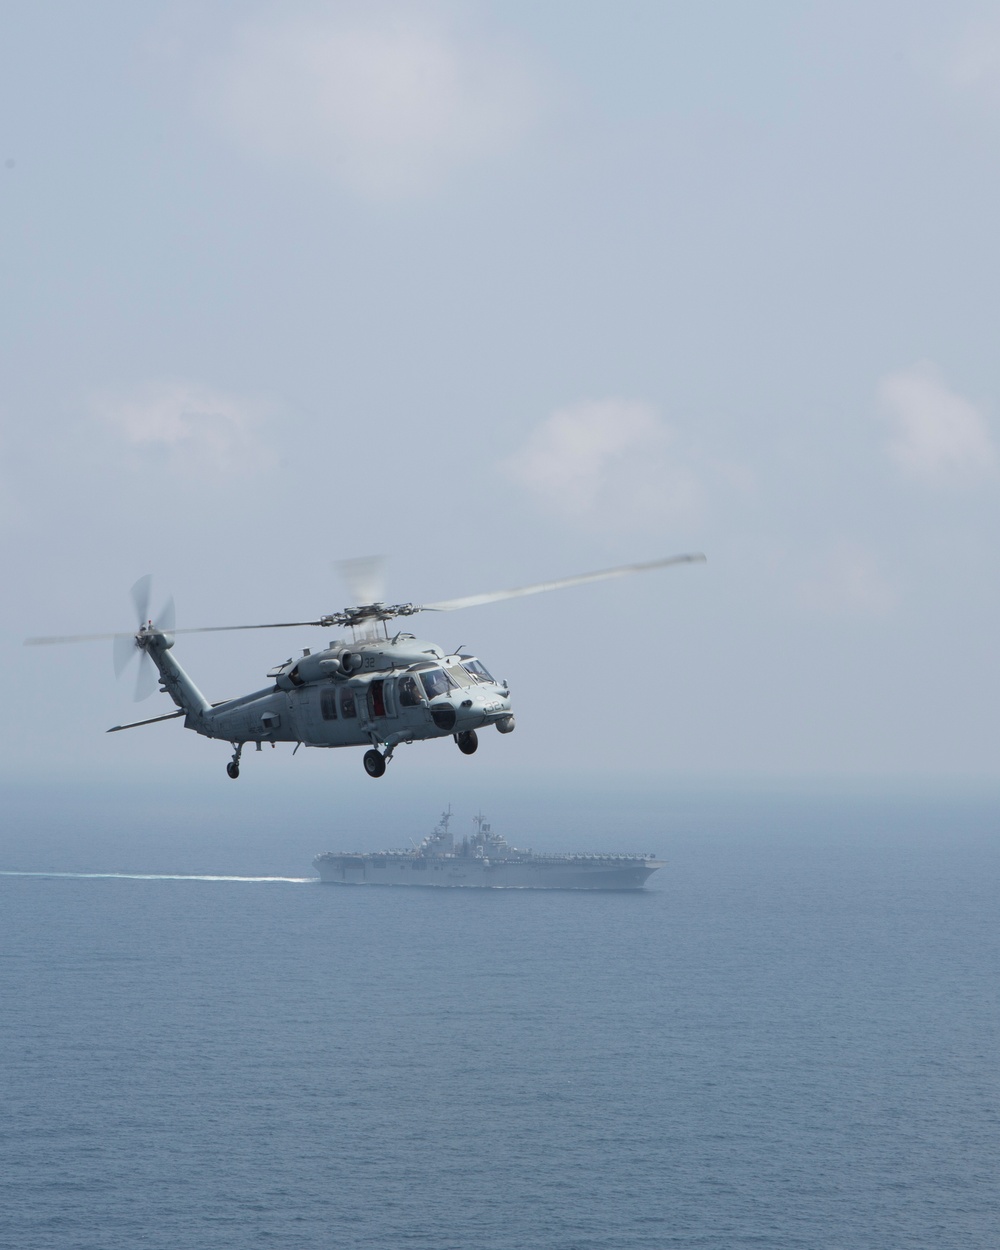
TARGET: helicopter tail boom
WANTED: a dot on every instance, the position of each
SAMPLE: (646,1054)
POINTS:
(173,679)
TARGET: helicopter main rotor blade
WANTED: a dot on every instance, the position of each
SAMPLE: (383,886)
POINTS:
(51,639)
(225,629)
(55,639)
(140,593)
(353,616)
(365,577)
(494,596)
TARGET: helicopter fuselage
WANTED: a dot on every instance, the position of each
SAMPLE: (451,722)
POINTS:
(377,692)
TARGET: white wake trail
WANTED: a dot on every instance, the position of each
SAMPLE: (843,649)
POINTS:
(157,876)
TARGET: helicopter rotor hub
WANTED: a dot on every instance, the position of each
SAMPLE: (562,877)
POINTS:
(368,612)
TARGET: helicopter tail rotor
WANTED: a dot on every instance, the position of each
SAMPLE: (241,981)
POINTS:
(127,646)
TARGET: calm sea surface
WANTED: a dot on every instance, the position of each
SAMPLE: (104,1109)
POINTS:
(789,1040)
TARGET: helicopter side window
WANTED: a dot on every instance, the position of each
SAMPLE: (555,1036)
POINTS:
(409,692)
(436,681)
(328,703)
(348,710)
(477,669)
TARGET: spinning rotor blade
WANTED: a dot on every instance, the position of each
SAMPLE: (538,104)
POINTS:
(494,596)
(228,629)
(125,647)
(146,678)
(365,578)
(123,640)
(166,618)
(141,592)
(53,639)
(124,650)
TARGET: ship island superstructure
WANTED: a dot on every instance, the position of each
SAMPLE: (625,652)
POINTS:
(484,860)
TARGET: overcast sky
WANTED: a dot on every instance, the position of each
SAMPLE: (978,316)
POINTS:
(510,291)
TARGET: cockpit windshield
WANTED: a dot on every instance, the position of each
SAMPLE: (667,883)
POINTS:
(436,681)
(474,667)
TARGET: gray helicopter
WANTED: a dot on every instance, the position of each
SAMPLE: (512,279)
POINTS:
(376,691)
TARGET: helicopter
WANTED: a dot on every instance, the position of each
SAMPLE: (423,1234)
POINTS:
(375,690)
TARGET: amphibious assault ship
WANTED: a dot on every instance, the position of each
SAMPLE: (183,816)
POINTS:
(484,861)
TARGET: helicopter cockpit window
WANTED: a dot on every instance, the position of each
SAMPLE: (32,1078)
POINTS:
(409,692)
(475,668)
(347,707)
(436,681)
(328,703)
(458,674)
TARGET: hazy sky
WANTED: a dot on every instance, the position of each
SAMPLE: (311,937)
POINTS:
(510,291)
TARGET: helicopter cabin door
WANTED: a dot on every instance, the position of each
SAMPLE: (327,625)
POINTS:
(381,700)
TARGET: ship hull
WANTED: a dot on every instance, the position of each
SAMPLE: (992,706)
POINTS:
(542,873)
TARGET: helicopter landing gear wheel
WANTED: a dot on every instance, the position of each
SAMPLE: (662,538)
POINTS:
(233,767)
(374,763)
(468,741)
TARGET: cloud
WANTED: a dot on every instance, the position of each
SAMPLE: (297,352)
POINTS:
(938,436)
(384,102)
(848,582)
(192,430)
(608,463)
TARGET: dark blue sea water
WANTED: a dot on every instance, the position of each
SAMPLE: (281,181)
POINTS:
(789,1040)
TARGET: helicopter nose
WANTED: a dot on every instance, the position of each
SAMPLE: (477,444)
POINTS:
(482,708)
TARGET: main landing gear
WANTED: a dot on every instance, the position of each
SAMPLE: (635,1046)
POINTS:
(233,767)
(374,763)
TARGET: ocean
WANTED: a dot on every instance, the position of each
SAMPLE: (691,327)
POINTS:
(790,1039)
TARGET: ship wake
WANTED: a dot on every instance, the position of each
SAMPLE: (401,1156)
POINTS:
(161,876)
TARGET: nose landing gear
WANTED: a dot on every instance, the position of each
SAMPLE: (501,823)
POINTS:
(468,741)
